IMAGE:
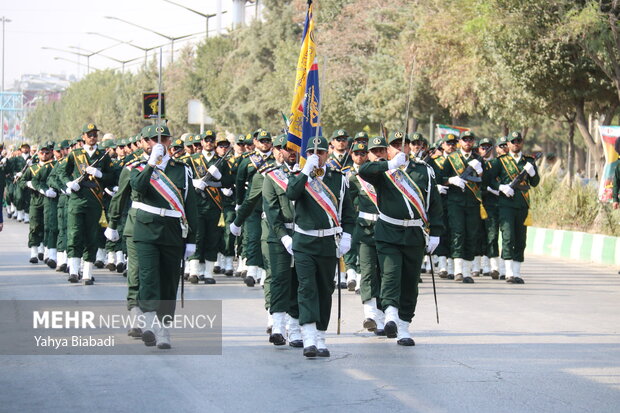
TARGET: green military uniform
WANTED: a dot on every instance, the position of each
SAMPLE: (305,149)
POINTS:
(400,235)
(490,199)
(315,247)
(443,250)
(36,210)
(226,249)
(513,210)
(85,205)
(54,182)
(20,196)
(159,236)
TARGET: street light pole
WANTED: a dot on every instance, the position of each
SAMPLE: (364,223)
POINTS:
(128,43)
(206,16)
(4,21)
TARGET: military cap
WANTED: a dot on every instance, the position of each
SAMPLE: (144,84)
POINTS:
(131,139)
(502,140)
(153,131)
(57,147)
(321,144)
(515,135)
(24,144)
(139,137)
(468,134)
(89,127)
(221,139)
(280,140)
(46,145)
(359,146)
(263,134)
(417,136)
(208,134)
(397,136)
(79,139)
(449,137)
(121,142)
(177,143)
(257,132)
(376,142)
(361,135)
(487,141)
(339,133)
(438,143)
(189,141)
(108,143)
(185,135)
(240,140)
(249,140)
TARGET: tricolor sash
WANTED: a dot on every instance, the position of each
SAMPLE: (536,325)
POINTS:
(166,189)
(368,190)
(459,166)
(512,169)
(410,190)
(325,198)
(279,177)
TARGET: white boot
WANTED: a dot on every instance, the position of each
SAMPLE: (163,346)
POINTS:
(52,255)
(279,323)
(458,269)
(320,344)
(45,253)
(494,264)
(502,267)
(62,258)
(516,270)
(20,216)
(294,331)
(41,249)
(220,260)
(242,267)
(450,266)
(111,257)
(201,270)
(100,255)
(119,257)
(509,269)
(228,264)
(269,322)
(34,252)
(250,279)
(194,268)
(391,321)
(380,319)
(467,273)
(370,310)
(151,324)
(351,279)
(443,264)
(308,334)
(404,337)
(88,270)
(162,338)
(186,270)
(358,281)
(74,265)
(485,265)
(26,218)
(208,274)
(262,275)
(475,266)
(134,320)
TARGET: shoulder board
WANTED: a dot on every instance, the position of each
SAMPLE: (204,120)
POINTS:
(134,162)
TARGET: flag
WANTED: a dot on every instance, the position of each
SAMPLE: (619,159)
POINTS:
(443,130)
(304,120)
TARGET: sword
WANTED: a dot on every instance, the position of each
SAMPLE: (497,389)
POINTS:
(434,288)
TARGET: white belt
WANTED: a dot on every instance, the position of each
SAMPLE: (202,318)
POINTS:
(162,212)
(368,216)
(289,225)
(402,222)
(319,232)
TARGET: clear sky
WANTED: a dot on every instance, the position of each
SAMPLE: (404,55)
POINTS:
(64,24)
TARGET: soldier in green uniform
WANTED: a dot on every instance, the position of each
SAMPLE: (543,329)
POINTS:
(491,224)
(410,223)
(53,182)
(37,196)
(364,198)
(85,206)
(16,166)
(210,207)
(226,252)
(464,206)
(324,221)
(446,264)
(163,232)
(514,203)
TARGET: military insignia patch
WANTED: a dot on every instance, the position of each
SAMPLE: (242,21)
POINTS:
(376,141)
(399,134)
(91,126)
(159,129)
(515,134)
(263,133)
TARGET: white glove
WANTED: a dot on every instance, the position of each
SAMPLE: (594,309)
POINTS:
(18,175)
(237,207)
(493,191)
(190,249)
(475,163)
(457,181)
(73,186)
(399,160)
(529,168)
(50,193)
(3,161)
(199,184)
(115,189)
(111,234)
(442,189)
(235,230)
(507,190)
(287,241)
(227,192)
(91,170)
(433,242)
(109,191)
(345,244)
(29,185)
(311,164)
(157,154)
(214,172)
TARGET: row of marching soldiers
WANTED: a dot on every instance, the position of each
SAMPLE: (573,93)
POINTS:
(376,205)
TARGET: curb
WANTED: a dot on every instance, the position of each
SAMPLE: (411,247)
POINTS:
(581,246)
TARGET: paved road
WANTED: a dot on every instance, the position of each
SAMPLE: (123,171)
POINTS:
(551,345)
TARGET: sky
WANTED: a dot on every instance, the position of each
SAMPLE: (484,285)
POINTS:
(65,24)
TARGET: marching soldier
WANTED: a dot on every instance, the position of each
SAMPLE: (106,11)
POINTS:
(85,182)
(446,263)
(491,224)
(16,167)
(54,182)
(339,158)
(324,221)
(226,251)
(512,175)
(464,206)
(410,222)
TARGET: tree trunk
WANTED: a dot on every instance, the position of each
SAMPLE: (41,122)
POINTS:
(571,153)
(524,131)
(595,148)
(581,158)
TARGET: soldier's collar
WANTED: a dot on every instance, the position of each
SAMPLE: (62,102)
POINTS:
(264,154)
(517,156)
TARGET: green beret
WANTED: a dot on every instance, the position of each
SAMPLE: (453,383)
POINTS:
(376,142)
(361,135)
(487,141)
(280,140)
(515,135)
(396,136)
(177,143)
(338,133)
(153,131)
(359,146)
(321,144)
(263,134)
(89,127)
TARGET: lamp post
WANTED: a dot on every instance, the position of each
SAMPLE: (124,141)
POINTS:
(72,52)
(206,16)
(170,38)
(128,43)
(4,21)
(75,62)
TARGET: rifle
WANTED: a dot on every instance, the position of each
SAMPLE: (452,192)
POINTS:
(468,173)
(17,176)
(516,183)
(89,184)
(208,178)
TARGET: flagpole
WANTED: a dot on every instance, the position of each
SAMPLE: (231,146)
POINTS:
(159,102)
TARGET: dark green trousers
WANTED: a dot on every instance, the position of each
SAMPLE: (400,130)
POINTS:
(400,269)
(251,239)
(316,286)
(50,222)
(227,243)
(491,227)
(284,282)
(62,223)
(514,233)
(443,249)
(464,226)
(350,259)
(133,275)
(83,230)
(36,231)
(159,268)
(264,246)
(207,235)
(371,277)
